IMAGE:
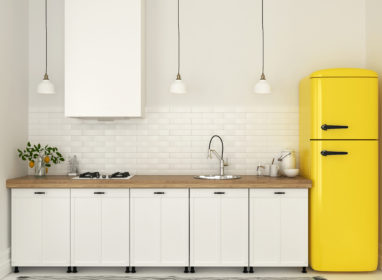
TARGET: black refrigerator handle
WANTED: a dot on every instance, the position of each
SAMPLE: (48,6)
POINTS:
(328,126)
(332,153)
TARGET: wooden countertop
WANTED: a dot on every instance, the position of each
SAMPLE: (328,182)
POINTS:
(159,181)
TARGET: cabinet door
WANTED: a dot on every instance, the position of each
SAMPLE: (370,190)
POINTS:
(159,227)
(174,228)
(99,36)
(40,227)
(219,227)
(26,228)
(56,228)
(115,228)
(234,228)
(145,229)
(294,229)
(205,228)
(86,228)
(265,229)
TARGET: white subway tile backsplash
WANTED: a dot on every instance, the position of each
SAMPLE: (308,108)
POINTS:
(169,140)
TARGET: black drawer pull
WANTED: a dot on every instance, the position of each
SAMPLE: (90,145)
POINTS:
(331,153)
(279,192)
(99,192)
(39,192)
(158,192)
(327,126)
(219,192)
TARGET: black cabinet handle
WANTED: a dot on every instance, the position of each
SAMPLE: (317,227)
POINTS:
(99,192)
(39,192)
(327,126)
(158,192)
(279,192)
(219,192)
(331,153)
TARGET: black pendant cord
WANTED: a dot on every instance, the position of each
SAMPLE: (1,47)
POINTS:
(262,30)
(178,40)
(46,37)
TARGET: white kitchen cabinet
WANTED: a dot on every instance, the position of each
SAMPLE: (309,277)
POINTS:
(279,227)
(219,227)
(104,58)
(159,227)
(40,227)
(100,227)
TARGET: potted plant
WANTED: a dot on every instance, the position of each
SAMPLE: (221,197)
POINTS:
(41,158)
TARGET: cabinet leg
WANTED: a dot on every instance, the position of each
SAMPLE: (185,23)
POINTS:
(186,269)
(251,270)
(69,270)
(245,269)
(192,269)
(127,269)
(74,269)
(133,270)
(16,269)
(304,270)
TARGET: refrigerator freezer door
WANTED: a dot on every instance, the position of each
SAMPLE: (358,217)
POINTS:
(344,108)
(344,206)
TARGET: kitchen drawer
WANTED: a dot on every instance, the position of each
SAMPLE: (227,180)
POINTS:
(100,192)
(25,193)
(219,192)
(279,193)
(136,193)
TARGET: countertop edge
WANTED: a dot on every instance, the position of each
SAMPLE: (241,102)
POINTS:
(160,181)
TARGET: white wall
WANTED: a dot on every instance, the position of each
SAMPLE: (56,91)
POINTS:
(13,107)
(374,62)
(221,48)
(221,61)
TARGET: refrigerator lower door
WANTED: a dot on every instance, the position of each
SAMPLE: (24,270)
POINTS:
(344,205)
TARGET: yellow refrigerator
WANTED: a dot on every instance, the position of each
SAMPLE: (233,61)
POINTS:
(339,153)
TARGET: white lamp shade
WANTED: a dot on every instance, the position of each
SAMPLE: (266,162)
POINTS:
(46,87)
(262,87)
(178,87)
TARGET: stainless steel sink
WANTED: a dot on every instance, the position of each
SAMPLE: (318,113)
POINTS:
(217,177)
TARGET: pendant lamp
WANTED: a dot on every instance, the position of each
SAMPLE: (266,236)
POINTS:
(46,86)
(178,86)
(262,86)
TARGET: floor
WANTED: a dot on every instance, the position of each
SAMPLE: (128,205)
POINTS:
(212,272)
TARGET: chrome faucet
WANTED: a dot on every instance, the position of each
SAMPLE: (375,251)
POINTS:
(219,157)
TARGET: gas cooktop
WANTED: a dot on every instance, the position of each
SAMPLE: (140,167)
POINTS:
(99,176)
